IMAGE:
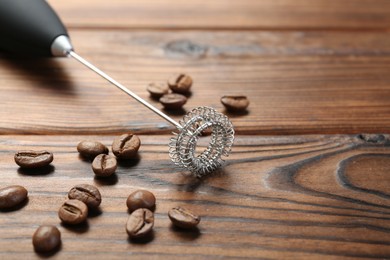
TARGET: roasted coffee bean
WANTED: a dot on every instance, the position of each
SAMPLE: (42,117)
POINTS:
(46,239)
(183,218)
(173,101)
(88,194)
(140,223)
(33,159)
(126,146)
(157,90)
(104,165)
(73,212)
(12,196)
(141,199)
(235,103)
(180,83)
(91,149)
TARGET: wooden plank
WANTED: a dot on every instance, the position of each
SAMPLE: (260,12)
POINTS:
(221,14)
(298,82)
(278,197)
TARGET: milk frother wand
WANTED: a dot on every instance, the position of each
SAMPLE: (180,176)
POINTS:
(32,27)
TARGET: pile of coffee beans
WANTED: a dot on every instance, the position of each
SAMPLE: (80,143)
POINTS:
(140,223)
(84,198)
(73,211)
(142,203)
(179,84)
(124,147)
(81,199)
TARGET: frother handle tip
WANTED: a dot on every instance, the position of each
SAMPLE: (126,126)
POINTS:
(30,27)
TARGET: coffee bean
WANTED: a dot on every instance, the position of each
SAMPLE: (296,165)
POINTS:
(73,212)
(141,199)
(90,149)
(33,159)
(180,83)
(46,239)
(140,223)
(173,101)
(126,146)
(183,218)
(235,103)
(12,196)
(104,165)
(157,90)
(86,193)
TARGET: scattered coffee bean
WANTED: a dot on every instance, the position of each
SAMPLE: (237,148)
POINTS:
(173,101)
(91,149)
(140,223)
(235,103)
(183,218)
(86,193)
(157,90)
(104,165)
(46,239)
(126,146)
(141,199)
(180,83)
(73,212)
(12,196)
(33,159)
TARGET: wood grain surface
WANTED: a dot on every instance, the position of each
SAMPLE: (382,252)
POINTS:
(278,197)
(297,82)
(303,181)
(226,14)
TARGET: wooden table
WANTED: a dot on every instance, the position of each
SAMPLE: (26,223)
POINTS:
(304,179)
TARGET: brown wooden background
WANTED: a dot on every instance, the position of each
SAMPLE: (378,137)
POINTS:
(304,180)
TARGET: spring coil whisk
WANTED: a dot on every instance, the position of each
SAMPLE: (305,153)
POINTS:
(182,147)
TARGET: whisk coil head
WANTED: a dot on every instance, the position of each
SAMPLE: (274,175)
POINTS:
(182,147)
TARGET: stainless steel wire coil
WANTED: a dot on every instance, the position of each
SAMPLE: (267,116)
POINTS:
(182,147)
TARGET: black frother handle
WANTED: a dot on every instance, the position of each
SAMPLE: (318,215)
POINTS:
(28,27)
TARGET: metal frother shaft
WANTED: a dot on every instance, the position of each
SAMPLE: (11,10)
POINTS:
(123,88)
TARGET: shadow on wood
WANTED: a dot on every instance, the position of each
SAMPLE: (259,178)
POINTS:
(46,170)
(46,73)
